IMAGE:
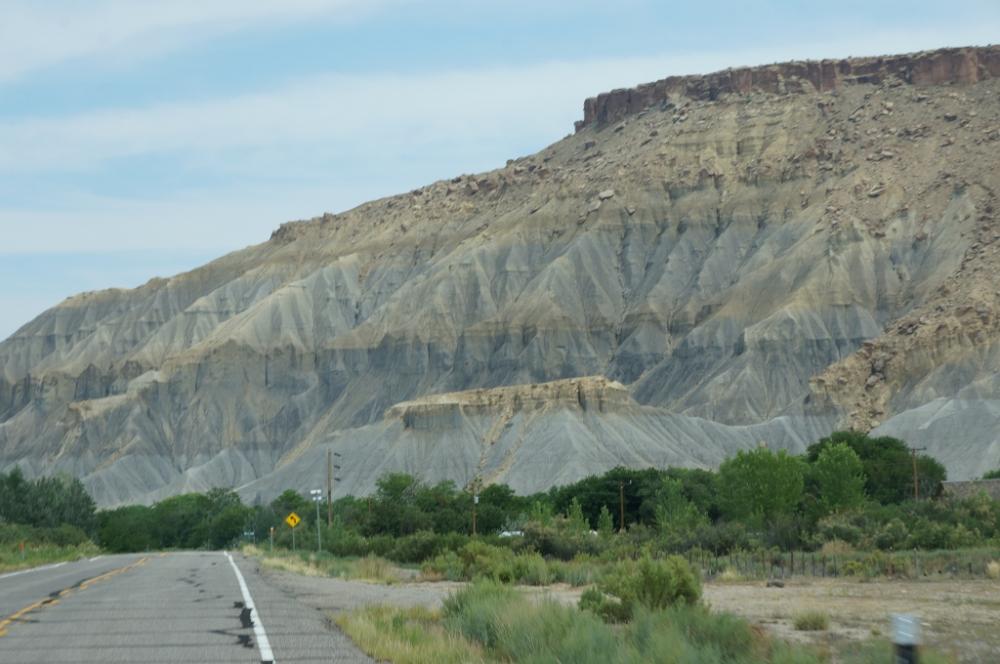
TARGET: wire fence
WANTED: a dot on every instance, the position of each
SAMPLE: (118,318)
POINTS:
(965,563)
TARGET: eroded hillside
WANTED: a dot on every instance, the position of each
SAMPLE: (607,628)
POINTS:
(755,254)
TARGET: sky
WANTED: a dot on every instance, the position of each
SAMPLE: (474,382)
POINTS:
(142,139)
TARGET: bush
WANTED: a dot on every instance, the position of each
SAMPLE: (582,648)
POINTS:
(993,569)
(608,609)
(811,621)
(490,622)
(514,629)
(561,543)
(652,584)
(474,612)
(416,548)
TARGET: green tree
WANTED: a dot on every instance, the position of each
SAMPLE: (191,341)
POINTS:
(888,466)
(227,525)
(605,524)
(575,519)
(127,529)
(14,490)
(290,501)
(676,516)
(758,486)
(992,475)
(181,521)
(839,478)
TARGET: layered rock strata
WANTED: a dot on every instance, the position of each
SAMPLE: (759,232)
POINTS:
(758,263)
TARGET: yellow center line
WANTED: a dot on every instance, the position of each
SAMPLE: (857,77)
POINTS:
(65,592)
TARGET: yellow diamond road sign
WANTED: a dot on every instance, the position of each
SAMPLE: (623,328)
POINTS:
(292,520)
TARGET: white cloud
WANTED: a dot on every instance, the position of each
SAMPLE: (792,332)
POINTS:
(36,34)
(385,109)
(418,126)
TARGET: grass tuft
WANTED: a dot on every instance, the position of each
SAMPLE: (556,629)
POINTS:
(811,621)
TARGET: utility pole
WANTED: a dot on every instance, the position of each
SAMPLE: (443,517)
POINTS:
(329,484)
(916,485)
(475,502)
(621,506)
(317,497)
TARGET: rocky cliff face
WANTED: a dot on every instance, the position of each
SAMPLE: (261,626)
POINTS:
(940,67)
(803,246)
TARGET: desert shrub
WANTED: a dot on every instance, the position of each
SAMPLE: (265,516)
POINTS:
(854,568)
(993,569)
(836,548)
(342,542)
(406,636)
(483,560)
(840,528)
(487,621)
(608,609)
(478,560)
(649,583)
(730,575)
(891,535)
(513,629)
(811,621)
(416,548)
(531,569)
(375,569)
(723,537)
(380,545)
(926,534)
(445,565)
(581,571)
(555,541)
(475,611)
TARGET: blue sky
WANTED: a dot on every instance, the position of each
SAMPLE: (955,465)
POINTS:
(140,139)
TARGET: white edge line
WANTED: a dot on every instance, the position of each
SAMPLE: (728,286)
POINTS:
(33,569)
(258,627)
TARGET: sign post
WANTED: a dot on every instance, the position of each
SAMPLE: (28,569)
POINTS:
(293,520)
(905,637)
(317,496)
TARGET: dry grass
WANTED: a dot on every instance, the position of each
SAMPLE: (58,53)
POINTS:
(43,554)
(407,636)
(993,569)
(836,548)
(811,621)
(369,568)
(730,575)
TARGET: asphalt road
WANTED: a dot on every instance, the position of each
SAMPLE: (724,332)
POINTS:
(172,607)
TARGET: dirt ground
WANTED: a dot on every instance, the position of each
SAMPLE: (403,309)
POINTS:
(960,618)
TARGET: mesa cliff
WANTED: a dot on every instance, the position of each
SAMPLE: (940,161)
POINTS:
(709,262)
(940,67)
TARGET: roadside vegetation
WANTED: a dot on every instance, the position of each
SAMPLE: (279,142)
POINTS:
(846,508)
(638,542)
(47,520)
(491,622)
(311,563)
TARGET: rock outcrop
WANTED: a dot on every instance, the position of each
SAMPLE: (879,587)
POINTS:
(703,272)
(939,67)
